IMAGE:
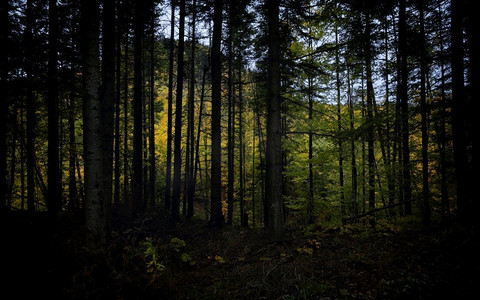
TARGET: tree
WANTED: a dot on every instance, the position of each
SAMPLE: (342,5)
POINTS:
(152,111)
(423,108)
(138,41)
(177,151)
(54,202)
(216,216)
(3,105)
(273,193)
(108,102)
(230,122)
(94,205)
(170,109)
(191,119)
(458,112)
(403,93)
(30,110)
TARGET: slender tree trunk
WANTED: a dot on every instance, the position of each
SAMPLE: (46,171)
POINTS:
(177,151)
(138,108)
(364,152)
(339,125)
(197,147)
(153,171)
(107,104)
(253,173)
(310,202)
(22,158)
(387,139)
(310,153)
(116,136)
(352,147)
(423,108)
(3,105)
(191,119)
(231,123)
(458,113)
(216,216)
(31,122)
(94,206)
(72,181)
(371,125)
(244,216)
(274,186)
(407,192)
(13,161)
(168,174)
(126,198)
(442,142)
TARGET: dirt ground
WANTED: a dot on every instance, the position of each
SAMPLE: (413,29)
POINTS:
(153,260)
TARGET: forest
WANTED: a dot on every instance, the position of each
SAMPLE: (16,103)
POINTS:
(239,149)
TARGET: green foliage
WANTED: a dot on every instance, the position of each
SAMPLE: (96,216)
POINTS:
(153,264)
(177,244)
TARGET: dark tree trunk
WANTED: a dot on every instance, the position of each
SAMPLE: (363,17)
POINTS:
(216,216)
(3,105)
(442,141)
(72,181)
(152,178)
(274,186)
(191,120)
(108,103)
(94,206)
(339,125)
(197,147)
(116,136)
(31,122)
(177,151)
(244,215)
(72,149)
(370,122)
(139,26)
(423,108)
(168,174)
(231,123)
(351,111)
(458,113)
(407,192)
(126,197)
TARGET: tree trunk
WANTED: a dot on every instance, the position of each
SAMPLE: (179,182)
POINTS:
(458,113)
(177,151)
(407,192)
(423,108)
(243,216)
(191,120)
(138,108)
(274,188)
(116,136)
(216,216)
(351,111)
(31,122)
(168,174)
(126,198)
(370,122)
(4,105)
(94,206)
(231,123)
(107,103)
(152,178)
(339,125)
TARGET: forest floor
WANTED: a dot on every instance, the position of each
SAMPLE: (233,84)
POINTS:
(152,260)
